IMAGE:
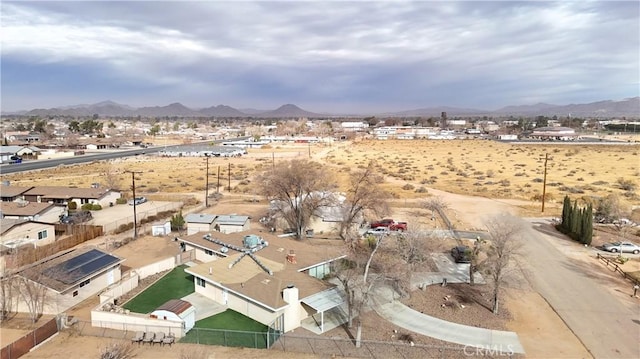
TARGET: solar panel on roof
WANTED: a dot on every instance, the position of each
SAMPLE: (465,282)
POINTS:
(76,268)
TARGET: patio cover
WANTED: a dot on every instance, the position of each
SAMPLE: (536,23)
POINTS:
(325,300)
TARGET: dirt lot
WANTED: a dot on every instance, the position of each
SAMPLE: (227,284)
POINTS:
(506,176)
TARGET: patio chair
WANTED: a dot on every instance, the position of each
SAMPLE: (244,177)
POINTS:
(148,337)
(158,338)
(169,339)
(138,337)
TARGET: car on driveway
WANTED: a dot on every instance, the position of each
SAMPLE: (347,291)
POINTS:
(461,254)
(76,217)
(137,201)
(378,231)
(622,247)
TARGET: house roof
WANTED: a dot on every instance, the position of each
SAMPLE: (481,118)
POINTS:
(24,208)
(62,272)
(232,220)
(199,218)
(12,191)
(176,306)
(6,224)
(10,149)
(248,279)
(67,192)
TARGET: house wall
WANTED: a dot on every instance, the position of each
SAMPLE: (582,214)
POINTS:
(134,322)
(199,227)
(227,228)
(31,231)
(200,254)
(56,303)
(104,201)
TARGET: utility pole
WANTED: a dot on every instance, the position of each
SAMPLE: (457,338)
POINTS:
(544,180)
(206,186)
(229,176)
(135,218)
(218,187)
(309,149)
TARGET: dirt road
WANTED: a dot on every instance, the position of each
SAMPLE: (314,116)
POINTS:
(606,327)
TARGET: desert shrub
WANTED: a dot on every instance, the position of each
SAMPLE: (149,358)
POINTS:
(121,201)
(519,174)
(72,205)
(117,350)
(505,183)
(90,207)
(580,179)
(408,187)
(537,180)
(627,185)
(421,190)
(123,228)
(571,189)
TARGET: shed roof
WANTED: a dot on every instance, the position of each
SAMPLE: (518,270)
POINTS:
(176,306)
(199,218)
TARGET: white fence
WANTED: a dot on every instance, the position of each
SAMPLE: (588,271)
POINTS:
(135,322)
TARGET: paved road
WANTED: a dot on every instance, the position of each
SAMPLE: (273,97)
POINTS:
(606,327)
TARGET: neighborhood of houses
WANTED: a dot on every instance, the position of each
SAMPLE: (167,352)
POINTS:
(235,264)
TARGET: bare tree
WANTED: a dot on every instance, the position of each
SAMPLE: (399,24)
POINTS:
(363,196)
(475,264)
(8,292)
(504,232)
(112,178)
(297,189)
(34,295)
(435,204)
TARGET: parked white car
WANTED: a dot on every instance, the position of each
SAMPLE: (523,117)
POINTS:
(621,247)
(378,231)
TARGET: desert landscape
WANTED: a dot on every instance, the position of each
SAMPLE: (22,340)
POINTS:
(476,178)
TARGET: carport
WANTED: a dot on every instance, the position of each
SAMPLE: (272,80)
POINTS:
(324,301)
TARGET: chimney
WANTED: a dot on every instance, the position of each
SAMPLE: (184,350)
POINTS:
(290,294)
(291,257)
(210,271)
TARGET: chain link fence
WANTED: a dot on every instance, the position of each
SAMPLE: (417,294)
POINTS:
(322,346)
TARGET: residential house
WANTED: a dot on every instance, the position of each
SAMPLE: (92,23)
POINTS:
(71,277)
(232,223)
(63,195)
(17,232)
(273,280)
(7,152)
(199,222)
(12,193)
(43,212)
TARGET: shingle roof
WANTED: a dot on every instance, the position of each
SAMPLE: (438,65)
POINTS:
(67,192)
(7,224)
(23,209)
(12,191)
(248,279)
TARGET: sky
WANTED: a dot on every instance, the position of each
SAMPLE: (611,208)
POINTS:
(323,56)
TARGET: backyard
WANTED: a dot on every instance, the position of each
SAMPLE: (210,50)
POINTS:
(230,329)
(174,285)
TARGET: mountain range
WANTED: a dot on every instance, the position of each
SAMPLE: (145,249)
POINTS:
(628,107)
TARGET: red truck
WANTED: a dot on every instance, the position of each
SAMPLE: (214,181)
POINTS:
(391,224)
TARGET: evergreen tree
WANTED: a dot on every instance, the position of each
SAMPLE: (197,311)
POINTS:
(575,221)
(177,222)
(566,214)
(587,234)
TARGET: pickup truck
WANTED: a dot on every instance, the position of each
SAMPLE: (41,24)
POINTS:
(390,224)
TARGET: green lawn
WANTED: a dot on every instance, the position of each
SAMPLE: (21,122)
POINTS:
(174,285)
(230,329)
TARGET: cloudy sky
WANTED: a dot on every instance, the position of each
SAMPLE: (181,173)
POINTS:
(324,56)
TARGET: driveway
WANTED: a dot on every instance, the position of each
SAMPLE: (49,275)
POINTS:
(606,327)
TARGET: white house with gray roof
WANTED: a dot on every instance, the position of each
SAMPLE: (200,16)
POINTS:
(232,223)
(200,222)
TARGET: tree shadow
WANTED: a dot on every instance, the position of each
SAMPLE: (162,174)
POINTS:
(467,294)
(551,231)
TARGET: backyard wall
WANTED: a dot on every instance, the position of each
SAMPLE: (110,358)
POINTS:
(156,267)
(134,322)
(126,284)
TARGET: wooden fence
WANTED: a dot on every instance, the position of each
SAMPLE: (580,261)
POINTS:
(22,346)
(24,255)
(617,268)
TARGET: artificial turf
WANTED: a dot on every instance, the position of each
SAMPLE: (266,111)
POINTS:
(174,285)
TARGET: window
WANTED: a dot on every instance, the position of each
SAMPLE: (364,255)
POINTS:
(208,252)
(75,293)
(42,234)
(85,283)
(200,282)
